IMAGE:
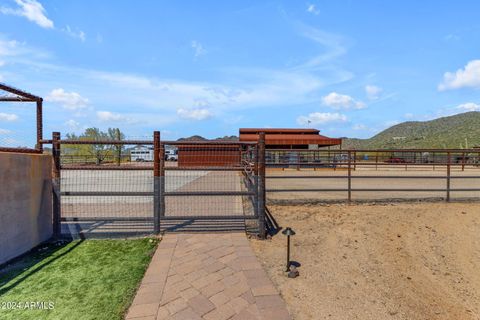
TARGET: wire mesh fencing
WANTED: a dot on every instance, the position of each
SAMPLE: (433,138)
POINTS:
(417,159)
(210,181)
(20,121)
(376,175)
(105,187)
(18,126)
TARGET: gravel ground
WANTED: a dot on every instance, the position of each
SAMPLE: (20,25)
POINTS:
(379,261)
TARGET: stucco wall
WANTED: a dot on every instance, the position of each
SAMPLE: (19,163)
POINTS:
(25,202)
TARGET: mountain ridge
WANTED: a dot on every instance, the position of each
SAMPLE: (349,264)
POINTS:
(458,132)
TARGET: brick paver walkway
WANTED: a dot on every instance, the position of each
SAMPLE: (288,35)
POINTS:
(206,276)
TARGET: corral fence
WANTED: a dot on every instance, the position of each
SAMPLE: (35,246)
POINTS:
(124,187)
(17,140)
(373,174)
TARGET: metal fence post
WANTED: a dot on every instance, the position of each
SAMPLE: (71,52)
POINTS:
(349,176)
(39,145)
(118,136)
(256,196)
(261,186)
(161,155)
(156,182)
(56,184)
(355,161)
(448,175)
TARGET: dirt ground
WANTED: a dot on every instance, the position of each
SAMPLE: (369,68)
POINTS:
(384,261)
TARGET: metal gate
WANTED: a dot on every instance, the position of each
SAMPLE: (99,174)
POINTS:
(129,187)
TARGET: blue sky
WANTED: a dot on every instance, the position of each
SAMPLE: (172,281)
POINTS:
(348,68)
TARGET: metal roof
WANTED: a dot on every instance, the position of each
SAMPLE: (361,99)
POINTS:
(278,131)
(292,139)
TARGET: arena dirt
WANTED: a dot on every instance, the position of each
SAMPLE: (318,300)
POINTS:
(378,261)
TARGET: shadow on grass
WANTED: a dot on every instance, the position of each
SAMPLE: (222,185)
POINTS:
(23,267)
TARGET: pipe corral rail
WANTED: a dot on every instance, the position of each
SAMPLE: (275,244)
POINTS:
(17,95)
(350,161)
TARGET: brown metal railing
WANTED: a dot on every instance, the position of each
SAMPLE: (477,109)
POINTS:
(210,168)
(324,158)
(25,97)
(350,164)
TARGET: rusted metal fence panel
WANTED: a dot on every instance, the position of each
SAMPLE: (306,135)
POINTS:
(16,141)
(388,175)
(108,187)
(407,159)
(125,187)
(212,181)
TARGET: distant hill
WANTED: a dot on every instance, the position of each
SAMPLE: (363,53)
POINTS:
(193,138)
(200,138)
(458,131)
(227,138)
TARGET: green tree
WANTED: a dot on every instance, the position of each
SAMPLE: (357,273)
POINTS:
(99,151)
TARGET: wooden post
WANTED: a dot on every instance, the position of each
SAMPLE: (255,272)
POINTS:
(156,182)
(463,162)
(56,183)
(448,176)
(349,176)
(261,186)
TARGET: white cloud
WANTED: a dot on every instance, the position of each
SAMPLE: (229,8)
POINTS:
(5,131)
(316,118)
(373,92)
(452,37)
(32,10)
(341,101)
(462,78)
(469,106)
(79,34)
(333,47)
(107,116)
(68,100)
(312,9)
(15,51)
(8,117)
(154,97)
(8,48)
(72,124)
(194,114)
(199,50)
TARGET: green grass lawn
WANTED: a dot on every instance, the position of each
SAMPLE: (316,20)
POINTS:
(91,279)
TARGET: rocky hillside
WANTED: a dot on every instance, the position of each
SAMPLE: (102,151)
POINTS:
(458,131)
